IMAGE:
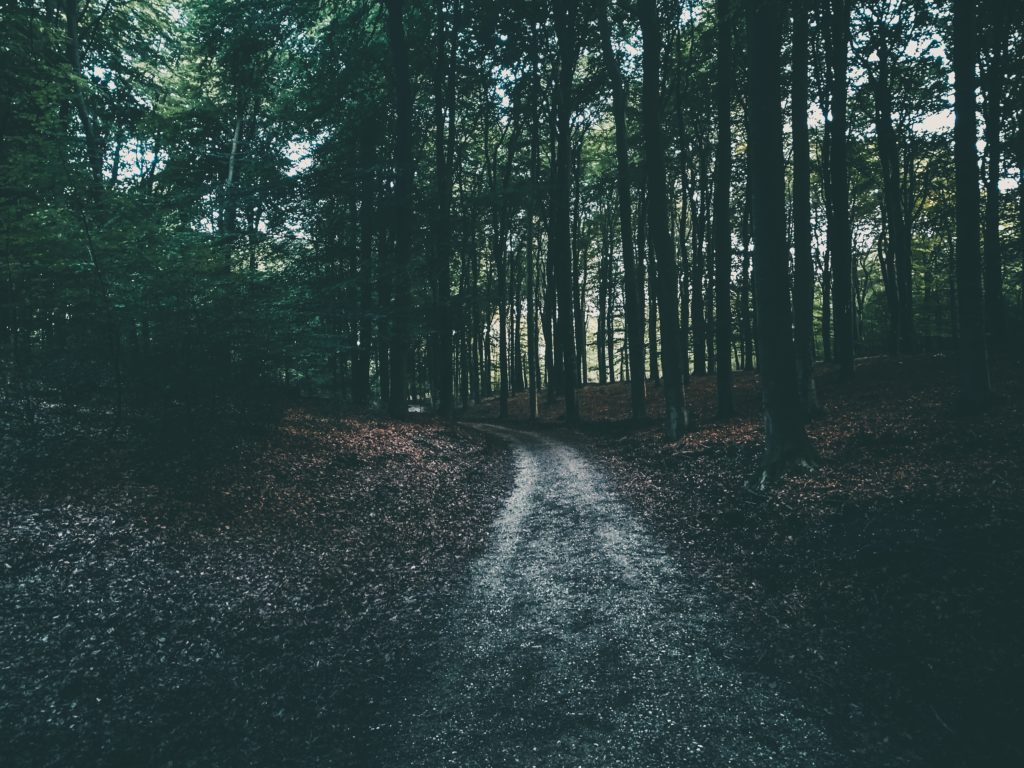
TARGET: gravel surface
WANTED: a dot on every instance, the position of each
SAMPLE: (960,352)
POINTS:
(580,641)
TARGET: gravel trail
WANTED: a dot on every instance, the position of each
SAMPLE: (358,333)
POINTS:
(580,641)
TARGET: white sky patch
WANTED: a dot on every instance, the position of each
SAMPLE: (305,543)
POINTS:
(299,154)
(936,122)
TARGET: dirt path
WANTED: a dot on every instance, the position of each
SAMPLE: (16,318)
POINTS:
(580,642)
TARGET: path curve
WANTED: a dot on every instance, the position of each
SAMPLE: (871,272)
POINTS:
(580,641)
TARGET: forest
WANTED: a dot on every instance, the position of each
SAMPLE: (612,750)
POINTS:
(318,314)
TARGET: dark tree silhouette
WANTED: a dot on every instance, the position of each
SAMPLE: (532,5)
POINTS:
(677,418)
(722,221)
(974,375)
(786,442)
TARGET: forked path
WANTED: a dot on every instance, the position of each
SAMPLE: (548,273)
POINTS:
(580,641)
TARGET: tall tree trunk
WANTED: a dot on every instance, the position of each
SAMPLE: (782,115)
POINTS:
(560,249)
(887,262)
(684,281)
(676,414)
(722,222)
(786,441)
(633,290)
(643,257)
(532,340)
(892,187)
(746,312)
(384,256)
(602,304)
(994,83)
(361,367)
(401,299)
(803,268)
(698,310)
(444,151)
(839,232)
(580,264)
(974,374)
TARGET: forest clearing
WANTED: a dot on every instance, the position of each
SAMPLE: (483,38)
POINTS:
(554,382)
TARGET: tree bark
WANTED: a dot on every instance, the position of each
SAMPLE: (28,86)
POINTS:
(786,442)
(633,292)
(803,268)
(444,150)
(722,234)
(532,336)
(401,299)
(892,187)
(560,250)
(974,374)
(839,232)
(994,83)
(361,366)
(676,415)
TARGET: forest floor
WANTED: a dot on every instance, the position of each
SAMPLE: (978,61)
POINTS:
(312,589)
(243,597)
(886,588)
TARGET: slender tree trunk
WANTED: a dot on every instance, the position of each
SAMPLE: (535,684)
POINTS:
(400,340)
(722,221)
(886,261)
(361,367)
(892,187)
(444,150)
(684,281)
(839,234)
(803,268)
(994,82)
(633,283)
(1020,206)
(786,442)
(384,256)
(602,305)
(580,264)
(643,256)
(677,416)
(974,374)
(532,340)
(560,250)
(698,310)
(746,313)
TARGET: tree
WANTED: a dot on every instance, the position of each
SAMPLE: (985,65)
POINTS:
(803,267)
(560,249)
(884,40)
(839,232)
(444,152)
(786,442)
(401,298)
(993,83)
(633,292)
(722,234)
(677,417)
(974,374)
